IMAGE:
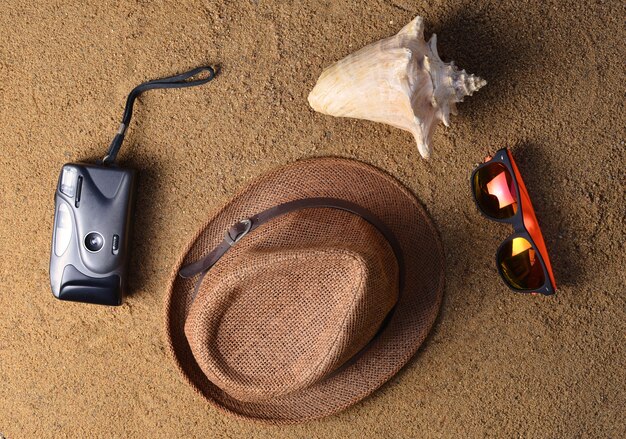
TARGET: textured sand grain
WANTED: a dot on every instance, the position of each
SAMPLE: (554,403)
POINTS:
(496,365)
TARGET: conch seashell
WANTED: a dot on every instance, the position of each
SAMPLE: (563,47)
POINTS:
(400,81)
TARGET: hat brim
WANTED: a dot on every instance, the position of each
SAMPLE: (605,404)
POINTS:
(415,312)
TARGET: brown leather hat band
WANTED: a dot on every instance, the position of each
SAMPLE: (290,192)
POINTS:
(238,230)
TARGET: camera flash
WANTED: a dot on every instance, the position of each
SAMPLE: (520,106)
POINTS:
(68,181)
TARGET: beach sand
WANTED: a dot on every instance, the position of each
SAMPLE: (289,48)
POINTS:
(497,364)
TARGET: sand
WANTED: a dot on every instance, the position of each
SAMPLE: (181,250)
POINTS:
(497,364)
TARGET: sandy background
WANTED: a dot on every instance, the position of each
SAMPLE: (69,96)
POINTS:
(496,365)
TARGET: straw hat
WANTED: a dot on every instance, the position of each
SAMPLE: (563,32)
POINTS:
(328,280)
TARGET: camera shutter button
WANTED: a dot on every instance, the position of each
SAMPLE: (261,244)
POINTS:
(115,246)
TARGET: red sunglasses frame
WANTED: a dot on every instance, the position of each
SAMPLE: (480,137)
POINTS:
(524,222)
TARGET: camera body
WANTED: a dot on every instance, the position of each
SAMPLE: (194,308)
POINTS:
(92,219)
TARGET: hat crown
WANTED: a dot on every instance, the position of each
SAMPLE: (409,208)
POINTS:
(298,298)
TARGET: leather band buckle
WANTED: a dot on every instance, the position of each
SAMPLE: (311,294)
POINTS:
(234,234)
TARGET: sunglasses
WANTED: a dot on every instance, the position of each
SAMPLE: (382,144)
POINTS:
(500,194)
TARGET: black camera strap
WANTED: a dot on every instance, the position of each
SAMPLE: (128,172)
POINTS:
(177,81)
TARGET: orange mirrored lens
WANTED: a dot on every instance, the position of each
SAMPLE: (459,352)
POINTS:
(495,192)
(520,264)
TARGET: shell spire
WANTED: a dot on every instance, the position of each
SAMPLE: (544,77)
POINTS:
(400,81)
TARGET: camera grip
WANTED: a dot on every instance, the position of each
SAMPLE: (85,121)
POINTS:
(80,288)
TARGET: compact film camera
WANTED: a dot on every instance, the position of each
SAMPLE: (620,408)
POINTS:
(93,216)
(93,209)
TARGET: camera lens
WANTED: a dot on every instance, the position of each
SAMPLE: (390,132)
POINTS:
(94,242)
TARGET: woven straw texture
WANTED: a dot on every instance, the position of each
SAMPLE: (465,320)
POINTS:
(276,321)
